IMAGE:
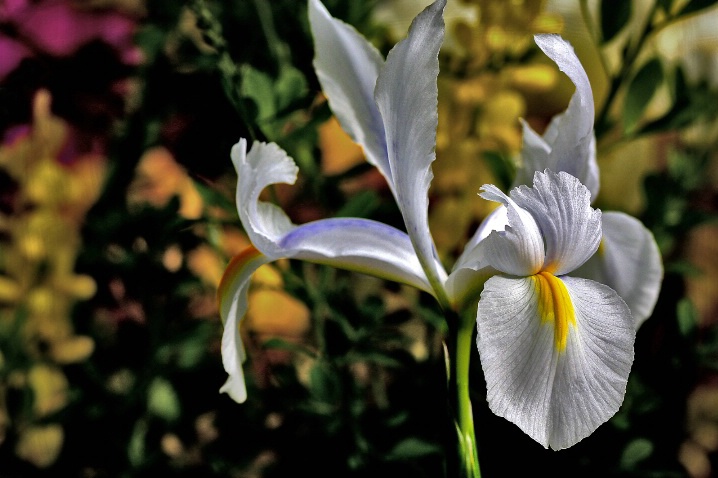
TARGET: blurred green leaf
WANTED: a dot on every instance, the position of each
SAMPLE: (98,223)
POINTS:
(614,17)
(136,445)
(412,448)
(635,452)
(324,383)
(257,86)
(290,86)
(687,316)
(501,167)
(281,344)
(640,92)
(162,400)
(362,204)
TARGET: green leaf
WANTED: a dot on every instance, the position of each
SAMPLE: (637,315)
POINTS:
(687,316)
(360,205)
(136,445)
(281,344)
(290,86)
(640,92)
(635,452)
(162,400)
(412,448)
(257,86)
(614,17)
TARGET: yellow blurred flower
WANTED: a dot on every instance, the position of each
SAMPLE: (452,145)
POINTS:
(40,445)
(159,178)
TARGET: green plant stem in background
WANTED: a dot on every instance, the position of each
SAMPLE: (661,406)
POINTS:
(461,339)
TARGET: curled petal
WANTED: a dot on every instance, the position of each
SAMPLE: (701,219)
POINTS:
(347,66)
(556,354)
(561,206)
(629,262)
(406,94)
(519,248)
(568,143)
(496,221)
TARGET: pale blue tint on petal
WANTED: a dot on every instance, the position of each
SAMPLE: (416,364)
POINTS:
(406,94)
(561,206)
(347,66)
(360,245)
(569,143)
(629,262)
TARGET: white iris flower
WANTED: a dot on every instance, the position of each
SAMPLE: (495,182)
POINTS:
(556,350)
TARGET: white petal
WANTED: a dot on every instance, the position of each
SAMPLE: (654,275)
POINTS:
(265,164)
(232,298)
(496,221)
(519,249)
(556,392)
(561,206)
(356,244)
(406,94)
(569,143)
(347,66)
(360,245)
(629,262)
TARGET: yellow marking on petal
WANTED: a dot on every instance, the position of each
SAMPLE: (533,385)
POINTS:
(233,270)
(555,306)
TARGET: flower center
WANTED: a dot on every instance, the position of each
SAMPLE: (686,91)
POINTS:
(555,306)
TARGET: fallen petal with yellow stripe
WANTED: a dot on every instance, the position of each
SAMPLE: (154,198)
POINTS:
(556,350)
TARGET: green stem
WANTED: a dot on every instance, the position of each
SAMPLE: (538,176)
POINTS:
(464,415)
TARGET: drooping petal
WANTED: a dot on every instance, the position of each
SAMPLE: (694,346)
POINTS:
(518,249)
(629,262)
(561,206)
(356,244)
(556,354)
(406,94)
(569,143)
(360,245)
(347,66)
(232,298)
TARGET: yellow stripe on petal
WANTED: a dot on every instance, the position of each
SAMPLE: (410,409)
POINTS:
(555,306)
(239,264)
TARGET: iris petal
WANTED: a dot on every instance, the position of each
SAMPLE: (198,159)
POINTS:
(556,391)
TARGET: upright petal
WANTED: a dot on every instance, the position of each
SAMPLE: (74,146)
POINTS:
(556,354)
(629,262)
(561,206)
(347,66)
(518,249)
(406,93)
(568,144)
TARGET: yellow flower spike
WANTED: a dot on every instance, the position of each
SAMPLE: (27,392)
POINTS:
(50,388)
(274,313)
(40,444)
(10,290)
(339,152)
(72,350)
(158,178)
(531,79)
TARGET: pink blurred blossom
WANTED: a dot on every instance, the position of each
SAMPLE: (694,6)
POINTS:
(56,28)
